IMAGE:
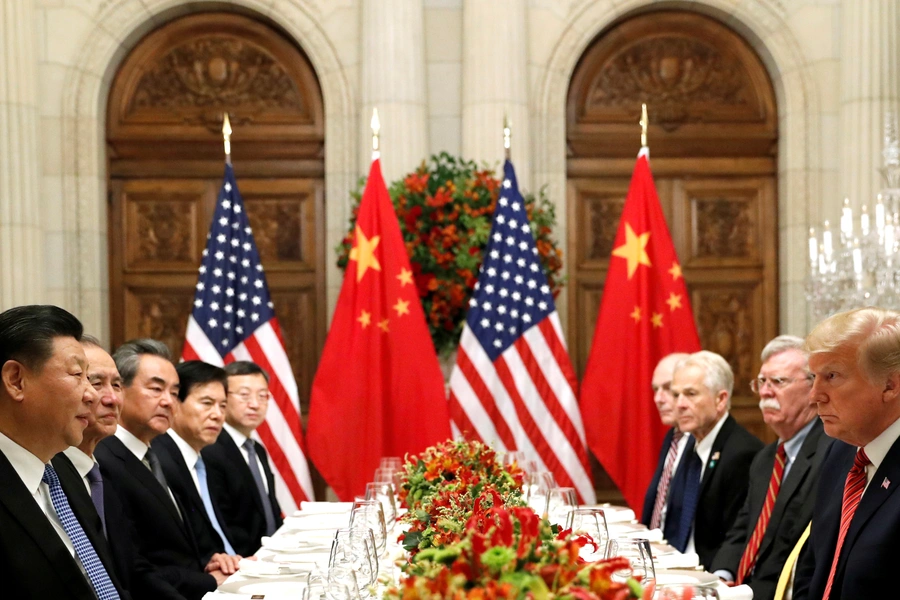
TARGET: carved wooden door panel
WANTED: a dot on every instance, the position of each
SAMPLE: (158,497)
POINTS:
(166,164)
(713,140)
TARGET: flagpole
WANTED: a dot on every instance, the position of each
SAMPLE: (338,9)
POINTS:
(507,135)
(226,135)
(644,122)
(376,131)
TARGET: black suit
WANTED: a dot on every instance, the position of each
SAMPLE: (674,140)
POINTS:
(235,493)
(137,574)
(792,511)
(34,562)
(163,537)
(723,487)
(870,552)
(179,477)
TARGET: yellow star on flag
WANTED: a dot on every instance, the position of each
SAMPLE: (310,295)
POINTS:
(384,325)
(656,319)
(675,271)
(364,253)
(636,315)
(634,250)
(405,277)
(402,307)
(674,301)
(365,319)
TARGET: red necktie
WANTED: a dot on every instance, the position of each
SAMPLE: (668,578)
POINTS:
(663,489)
(853,491)
(751,552)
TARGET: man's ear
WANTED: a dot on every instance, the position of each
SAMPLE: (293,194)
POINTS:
(12,376)
(891,387)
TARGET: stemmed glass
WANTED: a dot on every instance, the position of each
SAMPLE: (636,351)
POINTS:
(383,493)
(540,485)
(562,500)
(341,584)
(638,553)
(369,513)
(590,521)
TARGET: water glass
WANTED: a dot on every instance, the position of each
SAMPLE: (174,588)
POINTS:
(538,491)
(384,493)
(638,553)
(369,513)
(355,548)
(591,522)
(340,584)
(562,501)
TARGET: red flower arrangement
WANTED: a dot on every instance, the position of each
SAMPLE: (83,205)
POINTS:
(445,210)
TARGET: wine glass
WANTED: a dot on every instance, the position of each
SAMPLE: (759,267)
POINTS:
(340,584)
(541,483)
(562,500)
(388,476)
(637,551)
(355,548)
(384,493)
(369,513)
(591,522)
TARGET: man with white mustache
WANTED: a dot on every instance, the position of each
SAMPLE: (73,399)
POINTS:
(783,475)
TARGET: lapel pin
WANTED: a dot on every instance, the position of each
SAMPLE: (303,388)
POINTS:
(886,483)
(715,456)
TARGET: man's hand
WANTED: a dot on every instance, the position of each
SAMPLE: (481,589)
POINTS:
(226,563)
(219,575)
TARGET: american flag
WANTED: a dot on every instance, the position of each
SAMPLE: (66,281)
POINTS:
(234,319)
(513,384)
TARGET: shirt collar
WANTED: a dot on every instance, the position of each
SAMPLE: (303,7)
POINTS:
(81,461)
(190,455)
(793,445)
(29,467)
(238,437)
(704,446)
(878,448)
(134,445)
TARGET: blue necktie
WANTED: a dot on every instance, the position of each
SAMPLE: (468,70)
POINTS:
(200,467)
(260,487)
(96,481)
(682,500)
(96,572)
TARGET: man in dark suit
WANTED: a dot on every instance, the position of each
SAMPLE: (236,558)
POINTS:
(47,548)
(783,475)
(853,551)
(240,478)
(129,465)
(197,423)
(712,481)
(673,446)
(81,479)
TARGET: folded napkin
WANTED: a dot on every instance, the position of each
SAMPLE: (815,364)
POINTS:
(258,568)
(677,561)
(615,514)
(652,535)
(317,521)
(738,592)
(324,507)
(296,544)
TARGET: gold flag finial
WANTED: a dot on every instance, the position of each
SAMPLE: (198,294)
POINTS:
(507,135)
(376,131)
(644,123)
(226,136)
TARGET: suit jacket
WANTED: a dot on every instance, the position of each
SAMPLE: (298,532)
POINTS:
(179,477)
(235,494)
(34,562)
(137,574)
(870,552)
(792,511)
(163,537)
(723,487)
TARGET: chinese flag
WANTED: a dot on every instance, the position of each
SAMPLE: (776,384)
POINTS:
(379,390)
(644,315)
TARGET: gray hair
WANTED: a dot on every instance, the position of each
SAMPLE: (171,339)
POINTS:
(780,344)
(717,374)
(89,340)
(128,356)
(875,331)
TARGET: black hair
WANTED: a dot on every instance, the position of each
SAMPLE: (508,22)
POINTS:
(128,356)
(245,367)
(193,373)
(27,333)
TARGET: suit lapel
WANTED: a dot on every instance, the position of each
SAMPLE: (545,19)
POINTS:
(178,474)
(715,454)
(236,458)
(140,472)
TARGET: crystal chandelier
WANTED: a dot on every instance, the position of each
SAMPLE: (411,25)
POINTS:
(859,264)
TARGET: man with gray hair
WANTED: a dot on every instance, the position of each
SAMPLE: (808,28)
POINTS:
(852,552)
(783,475)
(711,482)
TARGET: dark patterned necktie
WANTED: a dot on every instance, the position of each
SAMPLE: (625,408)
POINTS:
(250,447)
(95,479)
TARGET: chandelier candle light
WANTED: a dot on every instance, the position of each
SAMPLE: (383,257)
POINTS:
(856,267)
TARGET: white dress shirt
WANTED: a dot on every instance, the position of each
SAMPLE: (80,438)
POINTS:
(190,457)
(82,463)
(239,439)
(139,449)
(878,448)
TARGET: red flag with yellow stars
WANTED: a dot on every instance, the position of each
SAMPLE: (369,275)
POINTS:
(378,390)
(644,315)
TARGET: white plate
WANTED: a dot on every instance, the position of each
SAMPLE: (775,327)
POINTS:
(283,588)
(695,578)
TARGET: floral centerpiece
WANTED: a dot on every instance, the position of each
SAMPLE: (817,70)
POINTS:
(442,486)
(445,209)
(510,553)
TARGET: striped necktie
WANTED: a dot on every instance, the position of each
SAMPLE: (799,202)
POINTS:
(751,552)
(93,566)
(853,491)
(662,490)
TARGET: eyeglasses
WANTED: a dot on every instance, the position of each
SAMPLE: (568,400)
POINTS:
(777,383)
(246,397)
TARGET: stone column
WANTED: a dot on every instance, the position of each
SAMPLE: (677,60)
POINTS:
(21,234)
(393,80)
(495,82)
(870,86)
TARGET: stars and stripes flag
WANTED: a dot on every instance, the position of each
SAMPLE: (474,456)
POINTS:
(513,384)
(234,319)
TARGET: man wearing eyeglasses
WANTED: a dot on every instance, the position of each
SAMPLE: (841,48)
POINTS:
(783,475)
(240,479)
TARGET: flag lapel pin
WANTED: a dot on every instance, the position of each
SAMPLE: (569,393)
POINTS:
(714,459)
(886,483)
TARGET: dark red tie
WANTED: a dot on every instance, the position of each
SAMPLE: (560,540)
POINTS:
(853,491)
(751,552)
(663,489)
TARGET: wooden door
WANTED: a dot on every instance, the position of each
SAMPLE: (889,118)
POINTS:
(166,164)
(713,153)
